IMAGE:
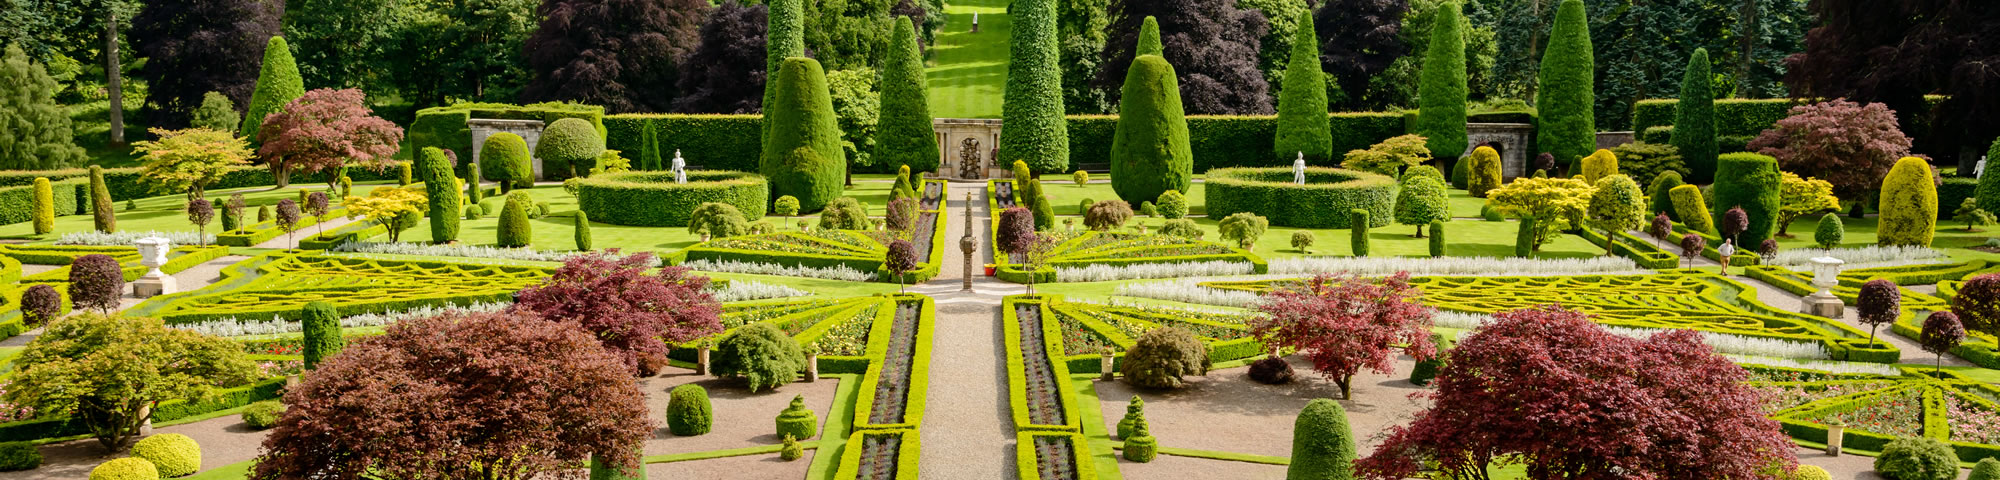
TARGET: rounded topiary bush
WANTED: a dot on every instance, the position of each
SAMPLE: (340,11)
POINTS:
(1751,181)
(798,421)
(718,220)
(786,205)
(1483,173)
(1322,444)
(1150,151)
(1987,469)
(569,147)
(1813,472)
(1657,198)
(262,415)
(19,456)
(128,468)
(652,199)
(1322,202)
(1693,210)
(1909,204)
(1271,370)
(1162,355)
(688,411)
(504,158)
(1172,204)
(173,454)
(761,354)
(1830,231)
(1917,458)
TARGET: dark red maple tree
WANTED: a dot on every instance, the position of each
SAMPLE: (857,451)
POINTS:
(1345,323)
(632,313)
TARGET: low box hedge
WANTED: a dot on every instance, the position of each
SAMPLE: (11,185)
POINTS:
(920,360)
(909,453)
(1642,252)
(1028,463)
(652,199)
(1320,203)
(1017,380)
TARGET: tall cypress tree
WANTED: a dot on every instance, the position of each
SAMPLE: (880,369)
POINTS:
(1303,126)
(1694,119)
(1568,88)
(802,153)
(1150,153)
(904,135)
(278,84)
(1441,91)
(1032,110)
(1149,38)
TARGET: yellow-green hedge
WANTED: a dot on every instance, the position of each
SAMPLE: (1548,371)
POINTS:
(1322,202)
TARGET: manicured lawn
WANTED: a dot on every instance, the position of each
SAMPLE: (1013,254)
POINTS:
(1951,237)
(167,213)
(970,69)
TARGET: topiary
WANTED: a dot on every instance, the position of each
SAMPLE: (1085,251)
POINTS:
(844,213)
(797,421)
(569,148)
(1599,164)
(1567,125)
(1134,410)
(1083,206)
(474,212)
(1490,214)
(1322,444)
(1182,227)
(1271,370)
(504,158)
(1148,209)
(1172,205)
(1988,192)
(403,174)
(1461,172)
(1045,214)
(1441,84)
(1524,237)
(1422,200)
(1694,118)
(278,83)
(96,282)
(791,450)
(1829,231)
(1646,161)
(102,216)
(263,214)
(1909,205)
(1694,213)
(321,324)
(1437,239)
(1813,472)
(1357,230)
(16,456)
(1141,446)
(1752,182)
(515,231)
(786,205)
(40,303)
(1106,215)
(582,231)
(441,194)
(1917,458)
(1302,240)
(688,411)
(1161,356)
(173,454)
(1243,228)
(1080,177)
(1658,198)
(719,220)
(262,415)
(1032,104)
(802,154)
(128,468)
(903,130)
(1303,125)
(761,354)
(1484,175)
(1150,153)
(1987,469)
(44,206)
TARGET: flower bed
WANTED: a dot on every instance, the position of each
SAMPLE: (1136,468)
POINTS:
(1876,409)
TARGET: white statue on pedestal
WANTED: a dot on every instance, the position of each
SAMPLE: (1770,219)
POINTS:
(153,254)
(680,168)
(1299,169)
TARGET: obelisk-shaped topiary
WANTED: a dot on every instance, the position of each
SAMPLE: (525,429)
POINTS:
(797,420)
(103,214)
(1150,153)
(1441,87)
(649,148)
(1357,229)
(1567,85)
(514,228)
(45,206)
(1694,119)
(473,194)
(1751,181)
(277,84)
(1033,105)
(442,190)
(1149,38)
(903,135)
(1437,238)
(802,153)
(1303,126)
(322,332)
(1322,444)
(1908,206)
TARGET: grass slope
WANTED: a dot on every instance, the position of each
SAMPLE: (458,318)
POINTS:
(969,70)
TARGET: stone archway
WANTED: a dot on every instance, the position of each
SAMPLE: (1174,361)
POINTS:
(966,148)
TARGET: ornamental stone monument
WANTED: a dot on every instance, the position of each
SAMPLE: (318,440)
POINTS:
(153,254)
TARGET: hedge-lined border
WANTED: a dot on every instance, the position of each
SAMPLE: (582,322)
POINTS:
(1219,352)
(1005,269)
(1028,463)
(909,453)
(1322,202)
(1642,252)
(1800,283)
(444,127)
(1936,424)
(1017,376)
(879,337)
(181,258)
(243,275)
(652,199)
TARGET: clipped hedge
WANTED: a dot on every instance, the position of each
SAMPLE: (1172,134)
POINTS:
(908,453)
(652,199)
(713,142)
(1321,202)
(1223,141)
(1733,117)
(444,127)
(879,337)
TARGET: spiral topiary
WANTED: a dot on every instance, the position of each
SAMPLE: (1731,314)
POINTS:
(1134,410)
(128,468)
(797,421)
(173,454)
(688,411)
(1141,446)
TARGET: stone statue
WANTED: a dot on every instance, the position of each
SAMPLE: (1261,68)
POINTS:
(152,255)
(680,168)
(1299,169)
(1979,169)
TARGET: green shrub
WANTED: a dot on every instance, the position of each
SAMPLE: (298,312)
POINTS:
(797,421)
(16,456)
(1319,203)
(1916,458)
(718,220)
(1422,171)
(1422,200)
(1150,154)
(904,136)
(652,199)
(1172,204)
(278,83)
(582,231)
(263,415)
(264,214)
(1161,356)
(1146,208)
(1813,472)
(1484,173)
(1107,215)
(791,450)
(1658,197)
(473,194)
(604,471)
(1733,117)
(1182,227)
(1032,104)
(1357,230)
(474,212)
(1908,207)
(1428,369)
(1045,214)
(215,113)
(1751,181)
(688,411)
(441,189)
(1243,228)
(321,323)
(1302,240)
(1829,231)
(1524,238)
(173,454)
(1149,38)
(1490,214)
(844,213)
(1303,126)
(1441,85)
(760,354)
(786,205)
(1567,87)
(1081,178)
(128,468)
(403,174)
(1437,238)
(1694,212)
(802,154)
(45,207)
(1461,173)
(1647,161)
(1083,206)
(1953,191)
(1322,443)
(504,158)
(1694,119)
(1599,164)
(1987,469)
(568,148)
(1141,446)
(515,231)
(102,216)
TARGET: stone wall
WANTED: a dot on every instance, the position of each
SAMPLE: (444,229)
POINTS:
(530,130)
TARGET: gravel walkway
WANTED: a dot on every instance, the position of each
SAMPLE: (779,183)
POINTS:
(331,224)
(967,430)
(224,441)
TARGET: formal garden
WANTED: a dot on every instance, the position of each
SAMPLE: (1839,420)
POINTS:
(1099,239)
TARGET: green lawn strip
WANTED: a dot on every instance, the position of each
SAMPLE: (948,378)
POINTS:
(712,454)
(839,422)
(970,72)
(1092,418)
(232,471)
(1215,455)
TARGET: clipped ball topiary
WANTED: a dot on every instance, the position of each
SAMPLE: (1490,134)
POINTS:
(786,205)
(1490,214)
(1172,205)
(128,468)
(1917,458)
(797,421)
(504,158)
(1829,231)
(760,354)
(569,148)
(474,212)
(719,220)
(1162,355)
(688,411)
(1322,444)
(1271,370)
(1909,204)
(173,454)
(1987,469)
(1813,472)
(262,415)
(1484,173)
(15,456)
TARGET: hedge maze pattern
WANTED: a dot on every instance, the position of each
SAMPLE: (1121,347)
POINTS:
(1877,409)
(282,283)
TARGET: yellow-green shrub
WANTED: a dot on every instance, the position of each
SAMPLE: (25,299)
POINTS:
(172,454)
(128,468)
(1598,165)
(1485,171)
(1909,204)
(1694,212)
(45,207)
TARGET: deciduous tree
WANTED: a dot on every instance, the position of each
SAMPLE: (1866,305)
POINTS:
(1212,44)
(1345,323)
(1895,53)
(108,372)
(324,130)
(195,47)
(1878,303)
(1799,196)
(1615,207)
(1358,39)
(186,161)
(1847,144)
(900,260)
(1549,200)
(96,281)
(620,54)
(386,206)
(1978,304)
(725,72)
(625,309)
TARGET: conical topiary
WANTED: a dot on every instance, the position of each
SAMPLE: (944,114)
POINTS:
(797,421)
(1694,119)
(1150,153)
(802,154)
(1567,124)
(1441,88)
(904,133)
(277,85)
(1322,444)
(1133,413)
(1303,125)
(1141,446)
(1032,106)
(1149,38)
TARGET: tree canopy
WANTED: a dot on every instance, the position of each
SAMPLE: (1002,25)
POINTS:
(1212,44)
(621,54)
(624,308)
(108,371)
(192,48)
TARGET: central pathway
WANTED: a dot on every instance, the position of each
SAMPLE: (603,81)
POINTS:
(968,430)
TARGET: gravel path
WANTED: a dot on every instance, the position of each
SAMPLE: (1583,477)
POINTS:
(967,430)
(303,233)
(224,441)
(742,418)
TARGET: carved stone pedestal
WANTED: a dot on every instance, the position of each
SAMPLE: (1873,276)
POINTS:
(1827,306)
(150,286)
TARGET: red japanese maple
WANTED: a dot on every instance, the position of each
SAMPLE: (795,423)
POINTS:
(627,310)
(323,130)
(1346,323)
(1549,389)
(494,396)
